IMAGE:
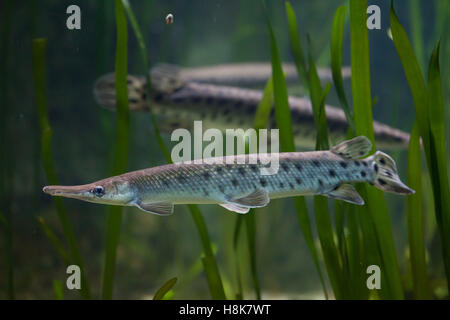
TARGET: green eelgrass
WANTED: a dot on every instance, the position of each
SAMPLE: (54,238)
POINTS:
(262,116)
(251,242)
(261,120)
(209,262)
(362,108)
(165,288)
(417,250)
(58,289)
(330,251)
(236,233)
(337,37)
(350,246)
(54,240)
(428,103)
(283,121)
(438,156)
(416,28)
(121,148)
(318,95)
(38,59)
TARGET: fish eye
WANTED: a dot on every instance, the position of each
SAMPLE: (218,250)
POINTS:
(98,191)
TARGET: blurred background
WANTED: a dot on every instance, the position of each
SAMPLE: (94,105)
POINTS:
(153,249)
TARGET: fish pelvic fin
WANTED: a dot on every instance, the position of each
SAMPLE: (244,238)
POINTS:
(355,148)
(346,192)
(256,199)
(386,175)
(159,208)
(235,208)
(105,92)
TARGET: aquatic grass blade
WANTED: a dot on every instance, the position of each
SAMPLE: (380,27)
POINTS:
(337,38)
(296,46)
(330,251)
(417,250)
(318,105)
(362,110)
(283,121)
(355,240)
(39,82)
(121,148)
(165,288)
(143,51)
(414,77)
(236,233)
(251,241)
(415,13)
(58,289)
(210,263)
(261,120)
(54,240)
(430,117)
(438,156)
(262,114)
(209,260)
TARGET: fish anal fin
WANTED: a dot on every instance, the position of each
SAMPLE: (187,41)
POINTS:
(346,192)
(256,199)
(235,208)
(355,148)
(159,208)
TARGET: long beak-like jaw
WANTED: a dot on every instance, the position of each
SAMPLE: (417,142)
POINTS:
(82,192)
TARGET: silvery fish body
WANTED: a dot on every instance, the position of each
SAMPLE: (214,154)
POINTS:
(180,103)
(237,182)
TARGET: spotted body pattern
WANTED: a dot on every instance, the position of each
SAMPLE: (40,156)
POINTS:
(236,182)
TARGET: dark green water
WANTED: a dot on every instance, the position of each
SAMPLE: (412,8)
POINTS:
(153,249)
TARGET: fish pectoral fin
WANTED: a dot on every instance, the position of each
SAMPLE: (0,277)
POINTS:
(256,199)
(355,148)
(235,208)
(346,192)
(159,208)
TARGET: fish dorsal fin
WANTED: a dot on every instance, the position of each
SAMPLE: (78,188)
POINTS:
(166,78)
(346,192)
(160,208)
(235,208)
(355,148)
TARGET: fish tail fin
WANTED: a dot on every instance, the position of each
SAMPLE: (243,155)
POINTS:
(386,175)
(105,92)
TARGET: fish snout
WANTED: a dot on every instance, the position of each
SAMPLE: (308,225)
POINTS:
(65,190)
(51,190)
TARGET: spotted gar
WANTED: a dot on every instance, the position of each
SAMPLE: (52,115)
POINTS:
(236,182)
(180,102)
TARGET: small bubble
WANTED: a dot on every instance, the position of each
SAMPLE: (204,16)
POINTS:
(169,18)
